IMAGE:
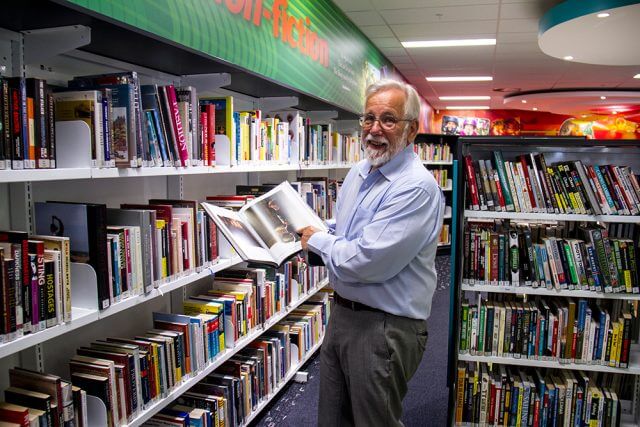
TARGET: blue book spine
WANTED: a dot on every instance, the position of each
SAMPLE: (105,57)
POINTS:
(601,333)
(158,130)
(236,124)
(605,189)
(595,267)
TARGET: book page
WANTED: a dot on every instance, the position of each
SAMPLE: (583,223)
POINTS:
(276,216)
(237,232)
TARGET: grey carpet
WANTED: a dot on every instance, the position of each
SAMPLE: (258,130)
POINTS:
(426,400)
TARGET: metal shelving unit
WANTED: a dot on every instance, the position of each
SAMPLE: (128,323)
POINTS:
(555,150)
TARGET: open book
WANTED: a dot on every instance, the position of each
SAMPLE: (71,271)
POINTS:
(264,230)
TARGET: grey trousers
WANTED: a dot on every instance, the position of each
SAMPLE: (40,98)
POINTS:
(366,360)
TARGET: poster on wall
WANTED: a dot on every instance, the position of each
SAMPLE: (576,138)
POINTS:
(509,127)
(464,126)
(600,127)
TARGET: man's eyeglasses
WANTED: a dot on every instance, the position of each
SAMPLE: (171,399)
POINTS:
(387,121)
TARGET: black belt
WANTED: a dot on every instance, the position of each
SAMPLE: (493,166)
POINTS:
(353,305)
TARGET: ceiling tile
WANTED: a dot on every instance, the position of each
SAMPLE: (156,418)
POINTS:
(522,10)
(428,15)
(518,48)
(406,4)
(518,26)
(375,31)
(382,42)
(353,5)
(445,30)
(517,37)
(369,17)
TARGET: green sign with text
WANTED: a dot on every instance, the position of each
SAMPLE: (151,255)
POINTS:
(308,45)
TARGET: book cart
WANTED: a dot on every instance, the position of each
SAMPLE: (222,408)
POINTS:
(54,42)
(437,152)
(480,370)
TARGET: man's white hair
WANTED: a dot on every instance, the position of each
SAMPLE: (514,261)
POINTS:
(412,102)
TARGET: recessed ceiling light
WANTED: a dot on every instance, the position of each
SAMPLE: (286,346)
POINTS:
(637,76)
(535,108)
(524,101)
(449,43)
(464,98)
(603,97)
(467,107)
(568,58)
(614,112)
(603,15)
(460,79)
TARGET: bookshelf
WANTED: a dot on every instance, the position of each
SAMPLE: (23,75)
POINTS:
(226,355)
(71,42)
(470,286)
(437,153)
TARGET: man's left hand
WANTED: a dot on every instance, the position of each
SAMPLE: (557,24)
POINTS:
(305,234)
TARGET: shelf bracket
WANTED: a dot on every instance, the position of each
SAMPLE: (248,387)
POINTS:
(207,82)
(275,103)
(322,116)
(48,42)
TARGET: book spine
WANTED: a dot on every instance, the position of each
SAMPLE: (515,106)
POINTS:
(51,130)
(177,126)
(18,106)
(50,294)
(471,183)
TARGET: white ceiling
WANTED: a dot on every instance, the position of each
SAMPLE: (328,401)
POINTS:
(515,62)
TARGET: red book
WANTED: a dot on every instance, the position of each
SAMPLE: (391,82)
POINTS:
(492,403)
(38,293)
(501,200)
(204,138)
(14,414)
(210,110)
(555,348)
(471,182)
(536,411)
(177,125)
(527,178)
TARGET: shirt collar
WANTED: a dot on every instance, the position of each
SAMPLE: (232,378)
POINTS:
(393,168)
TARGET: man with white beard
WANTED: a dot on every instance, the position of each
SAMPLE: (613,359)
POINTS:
(380,254)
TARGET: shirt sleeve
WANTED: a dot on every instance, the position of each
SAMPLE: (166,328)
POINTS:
(331,223)
(399,229)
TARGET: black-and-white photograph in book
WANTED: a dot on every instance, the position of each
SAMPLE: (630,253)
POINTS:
(264,230)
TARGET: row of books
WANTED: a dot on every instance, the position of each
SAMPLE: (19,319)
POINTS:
(27,124)
(135,125)
(134,248)
(229,395)
(565,331)
(433,152)
(502,252)
(529,184)
(35,279)
(506,395)
(441,176)
(36,399)
(130,374)
(445,235)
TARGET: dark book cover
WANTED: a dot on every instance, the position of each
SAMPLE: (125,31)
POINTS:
(85,225)
(18,120)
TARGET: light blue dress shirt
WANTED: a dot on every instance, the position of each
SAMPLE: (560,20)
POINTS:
(382,247)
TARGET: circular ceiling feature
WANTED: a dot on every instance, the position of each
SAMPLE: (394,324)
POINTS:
(573,29)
